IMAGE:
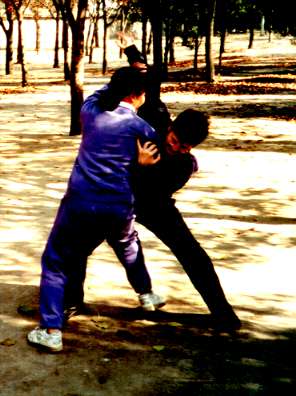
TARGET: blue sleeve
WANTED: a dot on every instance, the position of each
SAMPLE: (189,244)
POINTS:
(147,133)
(92,103)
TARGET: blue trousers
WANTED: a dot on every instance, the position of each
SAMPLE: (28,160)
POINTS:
(80,226)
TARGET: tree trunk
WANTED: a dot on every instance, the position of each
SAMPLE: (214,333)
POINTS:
(9,40)
(154,13)
(96,35)
(9,51)
(223,27)
(222,45)
(76,80)
(77,65)
(122,29)
(252,18)
(166,47)
(210,68)
(262,26)
(21,52)
(92,43)
(104,64)
(37,42)
(105,32)
(19,43)
(196,48)
(148,48)
(87,44)
(66,50)
(172,49)
(144,35)
(56,45)
(251,37)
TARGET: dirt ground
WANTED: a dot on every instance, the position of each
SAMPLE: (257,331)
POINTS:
(240,206)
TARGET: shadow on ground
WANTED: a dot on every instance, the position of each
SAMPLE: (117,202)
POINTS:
(111,347)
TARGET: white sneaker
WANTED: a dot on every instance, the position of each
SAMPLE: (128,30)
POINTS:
(151,301)
(51,341)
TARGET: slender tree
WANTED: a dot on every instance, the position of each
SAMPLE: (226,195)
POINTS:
(210,68)
(74,12)
(94,16)
(7,25)
(222,11)
(19,7)
(154,12)
(111,11)
(55,15)
(36,6)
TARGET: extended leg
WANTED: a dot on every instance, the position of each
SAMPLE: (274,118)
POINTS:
(168,225)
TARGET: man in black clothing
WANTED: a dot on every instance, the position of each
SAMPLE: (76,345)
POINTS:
(154,186)
(156,210)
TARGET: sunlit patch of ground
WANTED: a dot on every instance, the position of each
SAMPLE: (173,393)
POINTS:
(240,206)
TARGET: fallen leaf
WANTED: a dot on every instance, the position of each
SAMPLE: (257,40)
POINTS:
(8,342)
(174,324)
(158,348)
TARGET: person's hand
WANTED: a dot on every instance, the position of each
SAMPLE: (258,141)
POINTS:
(125,40)
(148,153)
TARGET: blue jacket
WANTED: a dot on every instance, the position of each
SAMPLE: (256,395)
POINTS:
(107,153)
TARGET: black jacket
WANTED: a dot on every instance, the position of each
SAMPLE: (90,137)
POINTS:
(154,111)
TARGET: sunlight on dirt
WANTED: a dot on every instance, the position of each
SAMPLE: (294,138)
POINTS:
(240,206)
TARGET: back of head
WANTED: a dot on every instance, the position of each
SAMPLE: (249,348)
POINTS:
(127,81)
(191,127)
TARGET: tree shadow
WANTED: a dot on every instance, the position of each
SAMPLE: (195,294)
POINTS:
(179,350)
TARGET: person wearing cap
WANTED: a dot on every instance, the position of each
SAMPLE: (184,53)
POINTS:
(154,110)
(154,187)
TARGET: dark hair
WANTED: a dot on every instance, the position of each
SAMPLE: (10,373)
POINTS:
(191,127)
(124,82)
(127,81)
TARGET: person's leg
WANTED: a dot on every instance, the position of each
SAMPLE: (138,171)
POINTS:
(127,247)
(168,225)
(73,237)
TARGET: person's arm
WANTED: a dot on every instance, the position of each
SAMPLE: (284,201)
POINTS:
(94,103)
(134,56)
(154,111)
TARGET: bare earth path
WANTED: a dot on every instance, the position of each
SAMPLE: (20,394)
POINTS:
(241,207)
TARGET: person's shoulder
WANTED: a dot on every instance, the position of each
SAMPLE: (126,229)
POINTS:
(193,162)
(143,122)
(93,102)
(189,162)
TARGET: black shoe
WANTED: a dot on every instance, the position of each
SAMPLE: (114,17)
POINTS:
(74,310)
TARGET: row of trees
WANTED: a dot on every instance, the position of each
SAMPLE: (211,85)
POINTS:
(191,20)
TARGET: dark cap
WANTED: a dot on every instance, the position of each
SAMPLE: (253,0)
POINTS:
(134,55)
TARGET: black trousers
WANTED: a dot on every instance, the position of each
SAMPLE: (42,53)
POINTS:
(166,222)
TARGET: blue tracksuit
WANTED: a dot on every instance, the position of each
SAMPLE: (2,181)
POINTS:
(97,206)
